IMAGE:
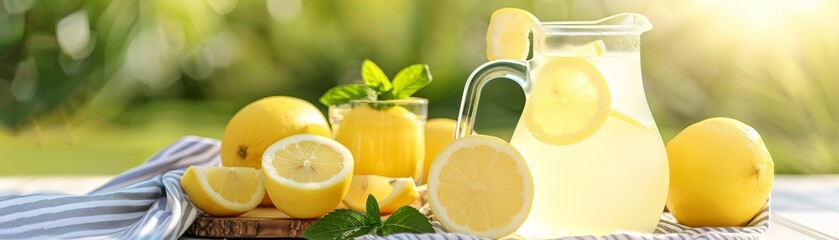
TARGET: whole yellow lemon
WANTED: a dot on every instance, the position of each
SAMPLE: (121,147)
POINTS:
(264,122)
(721,173)
(439,132)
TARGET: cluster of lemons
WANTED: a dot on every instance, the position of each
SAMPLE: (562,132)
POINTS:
(282,145)
(721,172)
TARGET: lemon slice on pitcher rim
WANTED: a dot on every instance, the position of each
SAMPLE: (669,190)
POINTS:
(507,34)
(480,185)
(307,175)
(223,191)
(569,103)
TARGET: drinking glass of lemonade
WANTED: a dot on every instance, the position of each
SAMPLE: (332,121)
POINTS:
(598,162)
(385,137)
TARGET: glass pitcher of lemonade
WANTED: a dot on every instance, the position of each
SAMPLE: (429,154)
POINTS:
(596,156)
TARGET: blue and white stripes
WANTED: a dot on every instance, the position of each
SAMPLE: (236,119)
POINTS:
(143,203)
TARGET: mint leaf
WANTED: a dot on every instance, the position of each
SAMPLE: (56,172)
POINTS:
(373,213)
(405,220)
(374,77)
(410,80)
(347,92)
(340,224)
(348,224)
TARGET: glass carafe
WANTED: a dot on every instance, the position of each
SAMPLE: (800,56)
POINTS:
(598,161)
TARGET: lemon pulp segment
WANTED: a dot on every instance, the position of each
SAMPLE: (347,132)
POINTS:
(307,162)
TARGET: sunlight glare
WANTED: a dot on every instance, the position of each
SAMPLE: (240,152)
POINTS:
(284,10)
(807,6)
(73,35)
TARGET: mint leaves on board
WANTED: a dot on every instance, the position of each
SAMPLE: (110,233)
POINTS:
(377,86)
(347,224)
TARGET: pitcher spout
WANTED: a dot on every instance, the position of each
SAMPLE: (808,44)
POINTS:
(624,23)
(627,19)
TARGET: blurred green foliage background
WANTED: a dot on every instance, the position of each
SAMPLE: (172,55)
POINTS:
(96,86)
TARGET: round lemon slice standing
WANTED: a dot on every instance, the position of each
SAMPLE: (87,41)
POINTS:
(480,185)
(507,34)
(569,103)
(390,193)
(307,175)
(223,191)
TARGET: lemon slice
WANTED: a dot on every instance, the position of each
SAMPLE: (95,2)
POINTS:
(480,185)
(307,175)
(569,103)
(390,193)
(223,191)
(507,34)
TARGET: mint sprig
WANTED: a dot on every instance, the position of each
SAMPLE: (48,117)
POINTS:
(377,86)
(348,224)
(410,80)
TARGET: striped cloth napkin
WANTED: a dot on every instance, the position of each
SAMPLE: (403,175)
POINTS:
(147,202)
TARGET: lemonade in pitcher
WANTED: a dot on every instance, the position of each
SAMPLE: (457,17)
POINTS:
(589,187)
(598,162)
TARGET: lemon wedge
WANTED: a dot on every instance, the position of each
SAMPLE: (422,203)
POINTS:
(404,193)
(364,185)
(480,185)
(390,193)
(223,191)
(307,175)
(507,34)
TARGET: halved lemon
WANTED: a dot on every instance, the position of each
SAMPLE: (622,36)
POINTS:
(390,193)
(223,191)
(480,185)
(307,175)
(507,34)
(570,101)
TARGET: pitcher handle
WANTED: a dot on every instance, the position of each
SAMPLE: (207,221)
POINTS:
(507,69)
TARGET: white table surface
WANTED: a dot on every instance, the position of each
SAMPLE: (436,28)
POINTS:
(803,207)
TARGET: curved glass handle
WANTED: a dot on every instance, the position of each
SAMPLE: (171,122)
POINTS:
(507,69)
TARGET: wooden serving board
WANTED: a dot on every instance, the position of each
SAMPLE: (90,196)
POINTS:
(263,222)
(260,222)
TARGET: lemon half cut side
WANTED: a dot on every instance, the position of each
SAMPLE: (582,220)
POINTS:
(307,175)
(480,185)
